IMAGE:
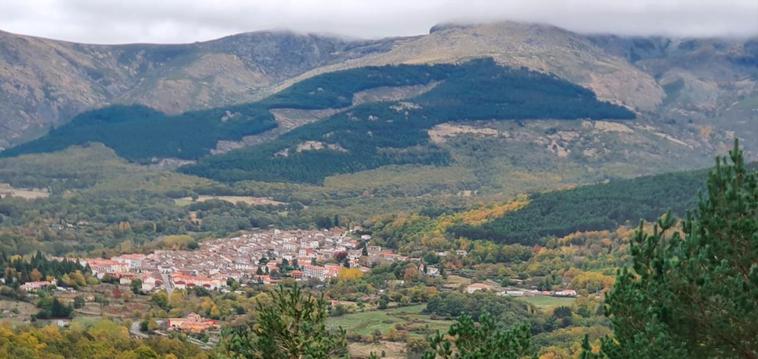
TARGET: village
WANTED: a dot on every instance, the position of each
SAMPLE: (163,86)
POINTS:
(263,257)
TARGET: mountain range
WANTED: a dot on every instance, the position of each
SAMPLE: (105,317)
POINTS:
(286,107)
(46,82)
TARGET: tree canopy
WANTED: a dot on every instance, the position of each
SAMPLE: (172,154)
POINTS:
(691,291)
(485,339)
(291,325)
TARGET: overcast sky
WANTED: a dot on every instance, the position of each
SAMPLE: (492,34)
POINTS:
(161,21)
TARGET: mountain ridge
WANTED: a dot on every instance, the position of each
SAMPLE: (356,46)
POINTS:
(44,83)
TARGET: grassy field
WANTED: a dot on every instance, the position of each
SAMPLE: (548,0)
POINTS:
(409,319)
(546,303)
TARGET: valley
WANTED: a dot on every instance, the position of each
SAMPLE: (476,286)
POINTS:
(509,178)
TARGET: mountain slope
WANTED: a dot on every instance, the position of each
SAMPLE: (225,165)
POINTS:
(537,218)
(710,84)
(691,97)
(365,136)
(596,207)
(538,47)
(142,134)
(44,83)
(372,135)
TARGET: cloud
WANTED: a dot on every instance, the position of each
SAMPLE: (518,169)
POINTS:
(118,21)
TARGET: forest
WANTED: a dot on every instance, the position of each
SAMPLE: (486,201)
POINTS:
(595,207)
(101,339)
(371,135)
(17,270)
(361,137)
(88,222)
(140,134)
(452,305)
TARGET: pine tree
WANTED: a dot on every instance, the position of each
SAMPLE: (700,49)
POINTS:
(587,349)
(691,292)
(482,340)
(293,325)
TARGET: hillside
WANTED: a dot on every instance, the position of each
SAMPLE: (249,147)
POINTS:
(357,136)
(539,47)
(44,83)
(709,84)
(372,135)
(536,218)
(94,166)
(141,134)
(590,208)
(465,159)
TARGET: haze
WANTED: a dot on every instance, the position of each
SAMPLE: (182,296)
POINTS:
(171,21)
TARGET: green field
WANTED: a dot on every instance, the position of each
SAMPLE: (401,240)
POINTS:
(409,319)
(546,303)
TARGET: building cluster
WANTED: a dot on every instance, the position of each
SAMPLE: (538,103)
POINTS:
(37,285)
(518,292)
(260,256)
(192,323)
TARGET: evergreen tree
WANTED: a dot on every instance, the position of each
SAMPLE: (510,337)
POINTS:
(483,340)
(691,292)
(136,286)
(587,352)
(293,325)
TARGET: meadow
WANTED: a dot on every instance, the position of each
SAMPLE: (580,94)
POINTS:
(410,319)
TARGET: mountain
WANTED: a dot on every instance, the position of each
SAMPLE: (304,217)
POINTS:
(465,113)
(342,130)
(372,135)
(711,84)
(366,136)
(539,47)
(44,83)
